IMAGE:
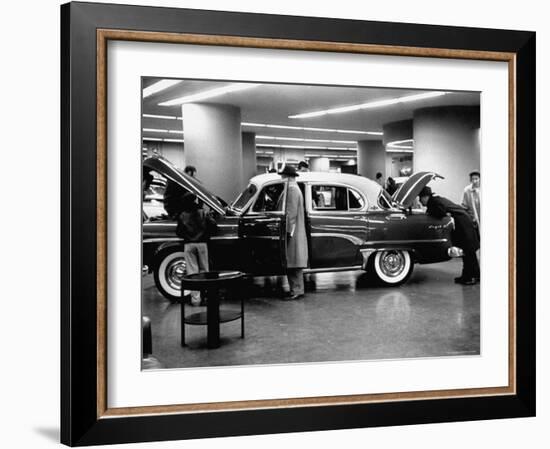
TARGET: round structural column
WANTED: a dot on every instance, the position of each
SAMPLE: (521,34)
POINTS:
(213,144)
(446,140)
(319,164)
(249,156)
(371,158)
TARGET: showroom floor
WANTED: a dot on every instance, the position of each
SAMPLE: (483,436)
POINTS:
(341,318)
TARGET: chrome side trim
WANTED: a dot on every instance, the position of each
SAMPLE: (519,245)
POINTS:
(324,270)
(177,239)
(403,242)
(350,238)
(162,239)
(260,237)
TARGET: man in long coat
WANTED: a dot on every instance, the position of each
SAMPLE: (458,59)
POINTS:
(464,235)
(296,239)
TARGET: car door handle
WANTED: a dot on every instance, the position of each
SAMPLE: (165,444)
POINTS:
(393,217)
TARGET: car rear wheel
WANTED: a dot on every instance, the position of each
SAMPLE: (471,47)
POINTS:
(391,267)
(169,270)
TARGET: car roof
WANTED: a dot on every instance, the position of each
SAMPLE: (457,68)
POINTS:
(369,187)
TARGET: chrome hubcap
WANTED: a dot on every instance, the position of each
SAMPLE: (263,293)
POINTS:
(175,272)
(392,263)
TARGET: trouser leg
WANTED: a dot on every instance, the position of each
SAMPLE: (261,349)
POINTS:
(470,266)
(192,267)
(296,281)
(202,252)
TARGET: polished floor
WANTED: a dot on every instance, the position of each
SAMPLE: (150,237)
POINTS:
(341,318)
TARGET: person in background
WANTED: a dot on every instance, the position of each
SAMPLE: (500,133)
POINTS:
(146,181)
(471,198)
(391,186)
(464,234)
(174,193)
(379,179)
(195,227)
(296,240)
(190,170)
(303,166)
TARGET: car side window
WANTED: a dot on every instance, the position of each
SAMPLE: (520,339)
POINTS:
(355,200)
(270,198)
(384,200)
(327,197)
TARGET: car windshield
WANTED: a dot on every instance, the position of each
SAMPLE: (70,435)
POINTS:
(245,196)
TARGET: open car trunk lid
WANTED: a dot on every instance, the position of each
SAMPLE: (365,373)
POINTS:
(409,190)
(170,171)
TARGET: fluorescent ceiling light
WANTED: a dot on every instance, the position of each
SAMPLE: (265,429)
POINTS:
(301,139)
(158,139)
(166,117)
(308,147)
(304,128)
(211,93)
(399,151)
(172,140)
(158,87)
(399,142)
(403,147)
(155,130)
(369,105)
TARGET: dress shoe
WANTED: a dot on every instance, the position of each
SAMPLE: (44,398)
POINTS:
(293,297)
(469,281)
(459,280)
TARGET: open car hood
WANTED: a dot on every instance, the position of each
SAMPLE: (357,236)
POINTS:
(170,171)
(409,190)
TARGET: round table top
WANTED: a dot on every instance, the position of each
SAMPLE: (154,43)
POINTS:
(209,279)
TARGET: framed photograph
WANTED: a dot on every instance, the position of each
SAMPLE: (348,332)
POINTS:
(275,224)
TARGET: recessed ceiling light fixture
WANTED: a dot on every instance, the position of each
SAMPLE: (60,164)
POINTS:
(172,140)
(301,139)
(304,128)
(402,147)
(211,93)
(167,131)
(155,130)
(166,117)
(158,87)
(158,139)
(369,105)
(399,151)
(305,147)
(400,144)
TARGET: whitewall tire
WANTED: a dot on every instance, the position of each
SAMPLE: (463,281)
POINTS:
(391,267)
(170,267)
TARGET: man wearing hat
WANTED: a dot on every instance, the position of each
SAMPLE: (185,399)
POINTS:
(464,235)
(296,240)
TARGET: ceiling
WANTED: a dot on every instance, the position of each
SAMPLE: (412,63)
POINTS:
(273,103)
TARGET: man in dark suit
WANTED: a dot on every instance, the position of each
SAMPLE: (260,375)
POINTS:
(464,235)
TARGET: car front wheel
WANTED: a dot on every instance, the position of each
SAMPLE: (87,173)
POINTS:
(391,267)
(169,270)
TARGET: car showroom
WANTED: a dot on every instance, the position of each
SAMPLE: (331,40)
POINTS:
(294,223)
